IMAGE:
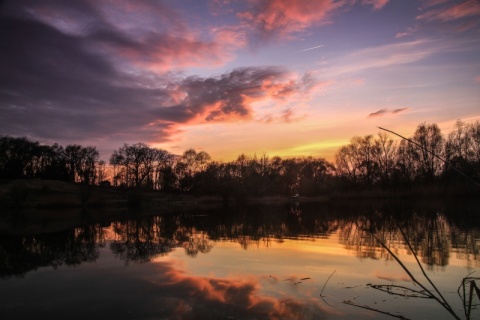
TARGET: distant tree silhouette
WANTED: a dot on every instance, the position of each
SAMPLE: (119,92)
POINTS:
(139,165)
(358,161)
(462,151)
(430,138)
(366,162)
(385,158)
(188,166)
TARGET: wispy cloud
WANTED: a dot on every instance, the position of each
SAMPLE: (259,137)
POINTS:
(274,19)
(376,4)
(461,10)
(399,110)
(383,56)
(408,32)
(312,48)
(288,115)
(283,19)
(378,113)
(356,63)
(384,112)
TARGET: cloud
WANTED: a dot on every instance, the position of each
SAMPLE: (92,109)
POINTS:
(139,35)
(465,9)
(56,84)
(477,79)
(378,113)
(376,4)
(408,32)
(383,112)
(289,115)
(445,17)
(230,96)
(280,19)
(399,110)
(78,71)
(385,56)
(389,56)
(284,19)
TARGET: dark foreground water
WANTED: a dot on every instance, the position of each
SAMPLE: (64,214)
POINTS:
(293,261)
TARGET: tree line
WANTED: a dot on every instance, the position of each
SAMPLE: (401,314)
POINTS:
(425,158)
(428,157)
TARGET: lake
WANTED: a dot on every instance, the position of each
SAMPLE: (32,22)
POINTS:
(299,260)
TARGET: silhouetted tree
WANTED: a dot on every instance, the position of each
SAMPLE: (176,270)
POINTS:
(139,165)
(462,151)
(430,138)
(15,157)
(385,158)
(189,164)
(357,161)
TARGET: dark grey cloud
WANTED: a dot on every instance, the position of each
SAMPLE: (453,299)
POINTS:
(378,113)
(229,96)
(399,110)
(383,112)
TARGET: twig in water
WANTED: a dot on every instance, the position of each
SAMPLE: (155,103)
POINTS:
(321,292)
(407,292)
(473,286)
(442,302)
(423,271)
(373,309)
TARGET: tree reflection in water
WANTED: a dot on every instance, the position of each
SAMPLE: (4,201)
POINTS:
(433,236)
(433,233)
(20,254)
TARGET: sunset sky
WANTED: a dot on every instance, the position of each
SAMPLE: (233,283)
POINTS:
(282,77)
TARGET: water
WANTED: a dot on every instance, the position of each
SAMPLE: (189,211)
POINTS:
(291,261)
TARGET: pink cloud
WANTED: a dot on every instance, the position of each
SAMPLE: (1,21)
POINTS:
(242,295)
(477,79)
(140,35)
(282,18)
(162,52)
(233,36)
(465,9)
(230,97)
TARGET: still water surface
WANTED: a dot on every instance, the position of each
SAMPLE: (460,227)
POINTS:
(292,261)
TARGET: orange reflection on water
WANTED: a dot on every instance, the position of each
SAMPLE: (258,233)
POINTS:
(285,278)
(233,296)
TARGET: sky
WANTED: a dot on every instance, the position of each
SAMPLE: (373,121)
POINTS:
(231,77)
